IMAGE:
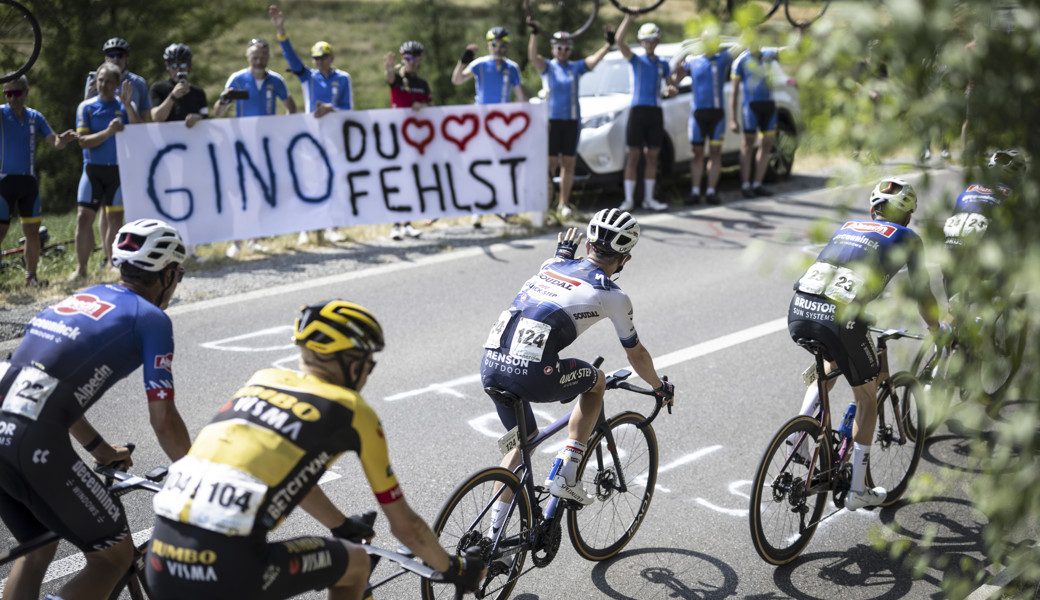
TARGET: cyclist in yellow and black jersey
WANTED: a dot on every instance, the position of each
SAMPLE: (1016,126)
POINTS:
(262,455)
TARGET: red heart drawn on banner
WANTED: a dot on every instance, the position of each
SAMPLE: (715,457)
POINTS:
(424,125)
(507,131)
(465,122)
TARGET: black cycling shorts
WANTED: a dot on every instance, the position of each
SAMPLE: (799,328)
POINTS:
(21,192)
(563,137)
(546,381)
(44,486)
(645,127)
(849,344)
(708,123)
(185,561)
(99,186)
(760,115)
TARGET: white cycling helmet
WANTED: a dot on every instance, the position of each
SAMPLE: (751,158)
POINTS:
(613,231)
(148,244)
(1009,163)
(898,192)
(649,31)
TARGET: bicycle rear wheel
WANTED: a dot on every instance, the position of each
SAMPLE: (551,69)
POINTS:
(20,40)
(573,16)
(465,521)
(783,517)
(893,460)
(637,7)
(805,13)
(1003,343)
(623,482)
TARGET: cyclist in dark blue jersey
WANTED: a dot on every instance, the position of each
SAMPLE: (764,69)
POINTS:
(522,353)
(72,353)
(851,271)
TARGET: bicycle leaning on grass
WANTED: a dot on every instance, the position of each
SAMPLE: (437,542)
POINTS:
(807,458)
(619,467)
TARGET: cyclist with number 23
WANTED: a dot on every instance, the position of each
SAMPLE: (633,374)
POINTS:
(564,299)
(262,456)
(852,270)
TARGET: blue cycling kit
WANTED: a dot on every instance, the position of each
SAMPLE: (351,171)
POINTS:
(263,94)
(494,81)
(646,75)
(561,81)
(333,89)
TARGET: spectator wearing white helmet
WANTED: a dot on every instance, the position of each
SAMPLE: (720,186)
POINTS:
(71,354)
(830,300)
(522,354)
(644,133)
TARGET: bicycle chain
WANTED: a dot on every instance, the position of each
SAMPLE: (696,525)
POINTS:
(549,544)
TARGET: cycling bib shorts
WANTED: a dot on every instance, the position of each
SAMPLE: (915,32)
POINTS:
(848,344)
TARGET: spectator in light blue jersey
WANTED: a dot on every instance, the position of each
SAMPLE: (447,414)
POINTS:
(644,132)
(752,74)
(117,52)
(560,80)
(20,126)
(263,87)
(325,88)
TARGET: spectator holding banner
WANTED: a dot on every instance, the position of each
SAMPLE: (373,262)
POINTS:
(98,120)
(407,90)
(19,188)
(117,52)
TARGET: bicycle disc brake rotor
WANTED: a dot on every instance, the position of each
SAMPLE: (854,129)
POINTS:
(782,487)
(842,483)
(606,483)
(549,544)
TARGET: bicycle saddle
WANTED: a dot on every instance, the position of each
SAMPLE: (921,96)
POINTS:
(814,346)
(503,397)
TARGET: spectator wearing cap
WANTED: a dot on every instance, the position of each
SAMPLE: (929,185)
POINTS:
(264,88)
(19,189)
(176,99)
(407,90)
(560,79)
(117,52)
(644,132)
(324,88)
(495,76)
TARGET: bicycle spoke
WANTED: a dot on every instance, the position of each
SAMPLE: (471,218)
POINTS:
(20,40)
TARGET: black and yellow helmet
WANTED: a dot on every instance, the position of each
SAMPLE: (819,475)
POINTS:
(333,326)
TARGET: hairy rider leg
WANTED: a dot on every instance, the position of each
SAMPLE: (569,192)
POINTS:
(26,575)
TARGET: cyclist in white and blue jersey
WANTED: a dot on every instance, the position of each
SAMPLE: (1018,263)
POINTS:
(117,52)
(752,72)
(98,120)
(265,88)
(495,76)
(708,70)
(560,79)
(325,89)
(19,190)
(645,129)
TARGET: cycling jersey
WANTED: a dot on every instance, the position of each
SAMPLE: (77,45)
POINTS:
(561,82)
(755,73)
(18,140)
(93,116)
(494,80)
(263,93)
(553,308)
(408,90)
(975,206)
(709,76)
(333,88)
(645,75)
(246,471)
(141,99)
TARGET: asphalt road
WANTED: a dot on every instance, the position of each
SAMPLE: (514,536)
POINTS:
(710,288)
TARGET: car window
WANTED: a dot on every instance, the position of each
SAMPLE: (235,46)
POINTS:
(609,77)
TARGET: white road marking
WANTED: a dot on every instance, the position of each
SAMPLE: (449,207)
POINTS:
(641,479)
(225,344)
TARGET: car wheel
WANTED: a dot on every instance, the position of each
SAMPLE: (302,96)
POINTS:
(781,157)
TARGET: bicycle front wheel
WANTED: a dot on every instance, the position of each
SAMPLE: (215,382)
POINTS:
(783,515)
(895,454)
(572,16)
(622,478)
(465,521)
(805,13)
(20,40)
(636,7)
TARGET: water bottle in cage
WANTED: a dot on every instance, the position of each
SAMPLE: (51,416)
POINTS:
(846,421)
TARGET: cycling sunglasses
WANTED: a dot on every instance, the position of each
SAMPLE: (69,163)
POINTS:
(412,56)
(14,93)
(499,44)
(116,54)
(182,65)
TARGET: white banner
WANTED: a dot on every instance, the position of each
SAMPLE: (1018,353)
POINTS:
(232,179)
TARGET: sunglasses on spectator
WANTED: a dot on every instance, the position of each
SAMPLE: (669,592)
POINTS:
(178,65)
(562,47)
(14,93)
(412,56)
(115,54)
(499,44)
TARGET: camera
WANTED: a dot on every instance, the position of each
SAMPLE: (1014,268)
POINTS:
(182,76)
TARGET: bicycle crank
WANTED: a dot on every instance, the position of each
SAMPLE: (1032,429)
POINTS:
(548,545)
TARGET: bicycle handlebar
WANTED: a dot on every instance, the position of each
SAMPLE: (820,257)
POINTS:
(616,381)
(894,334)
(128,481)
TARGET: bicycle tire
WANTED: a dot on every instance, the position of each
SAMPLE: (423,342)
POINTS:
(637,10)
(1003,348)
(783,518)
(893,464)
(735,6)
(804,24)
(569,16)
(17,26)
(600,530)
(462,522)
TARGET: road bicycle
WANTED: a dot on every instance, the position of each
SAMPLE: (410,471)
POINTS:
(573,16)
(619,468)
(119,484)
(20,40)
(806,12)
(807,459)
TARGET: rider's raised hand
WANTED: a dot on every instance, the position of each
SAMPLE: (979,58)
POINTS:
(567,244)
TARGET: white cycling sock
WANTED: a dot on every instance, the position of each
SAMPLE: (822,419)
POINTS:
(498,517)
(568,459)
(696,190)
(52,597)
(710,191)
(648,187)
(630,189)
(860,457)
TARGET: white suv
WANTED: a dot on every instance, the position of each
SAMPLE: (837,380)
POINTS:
(605,94)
